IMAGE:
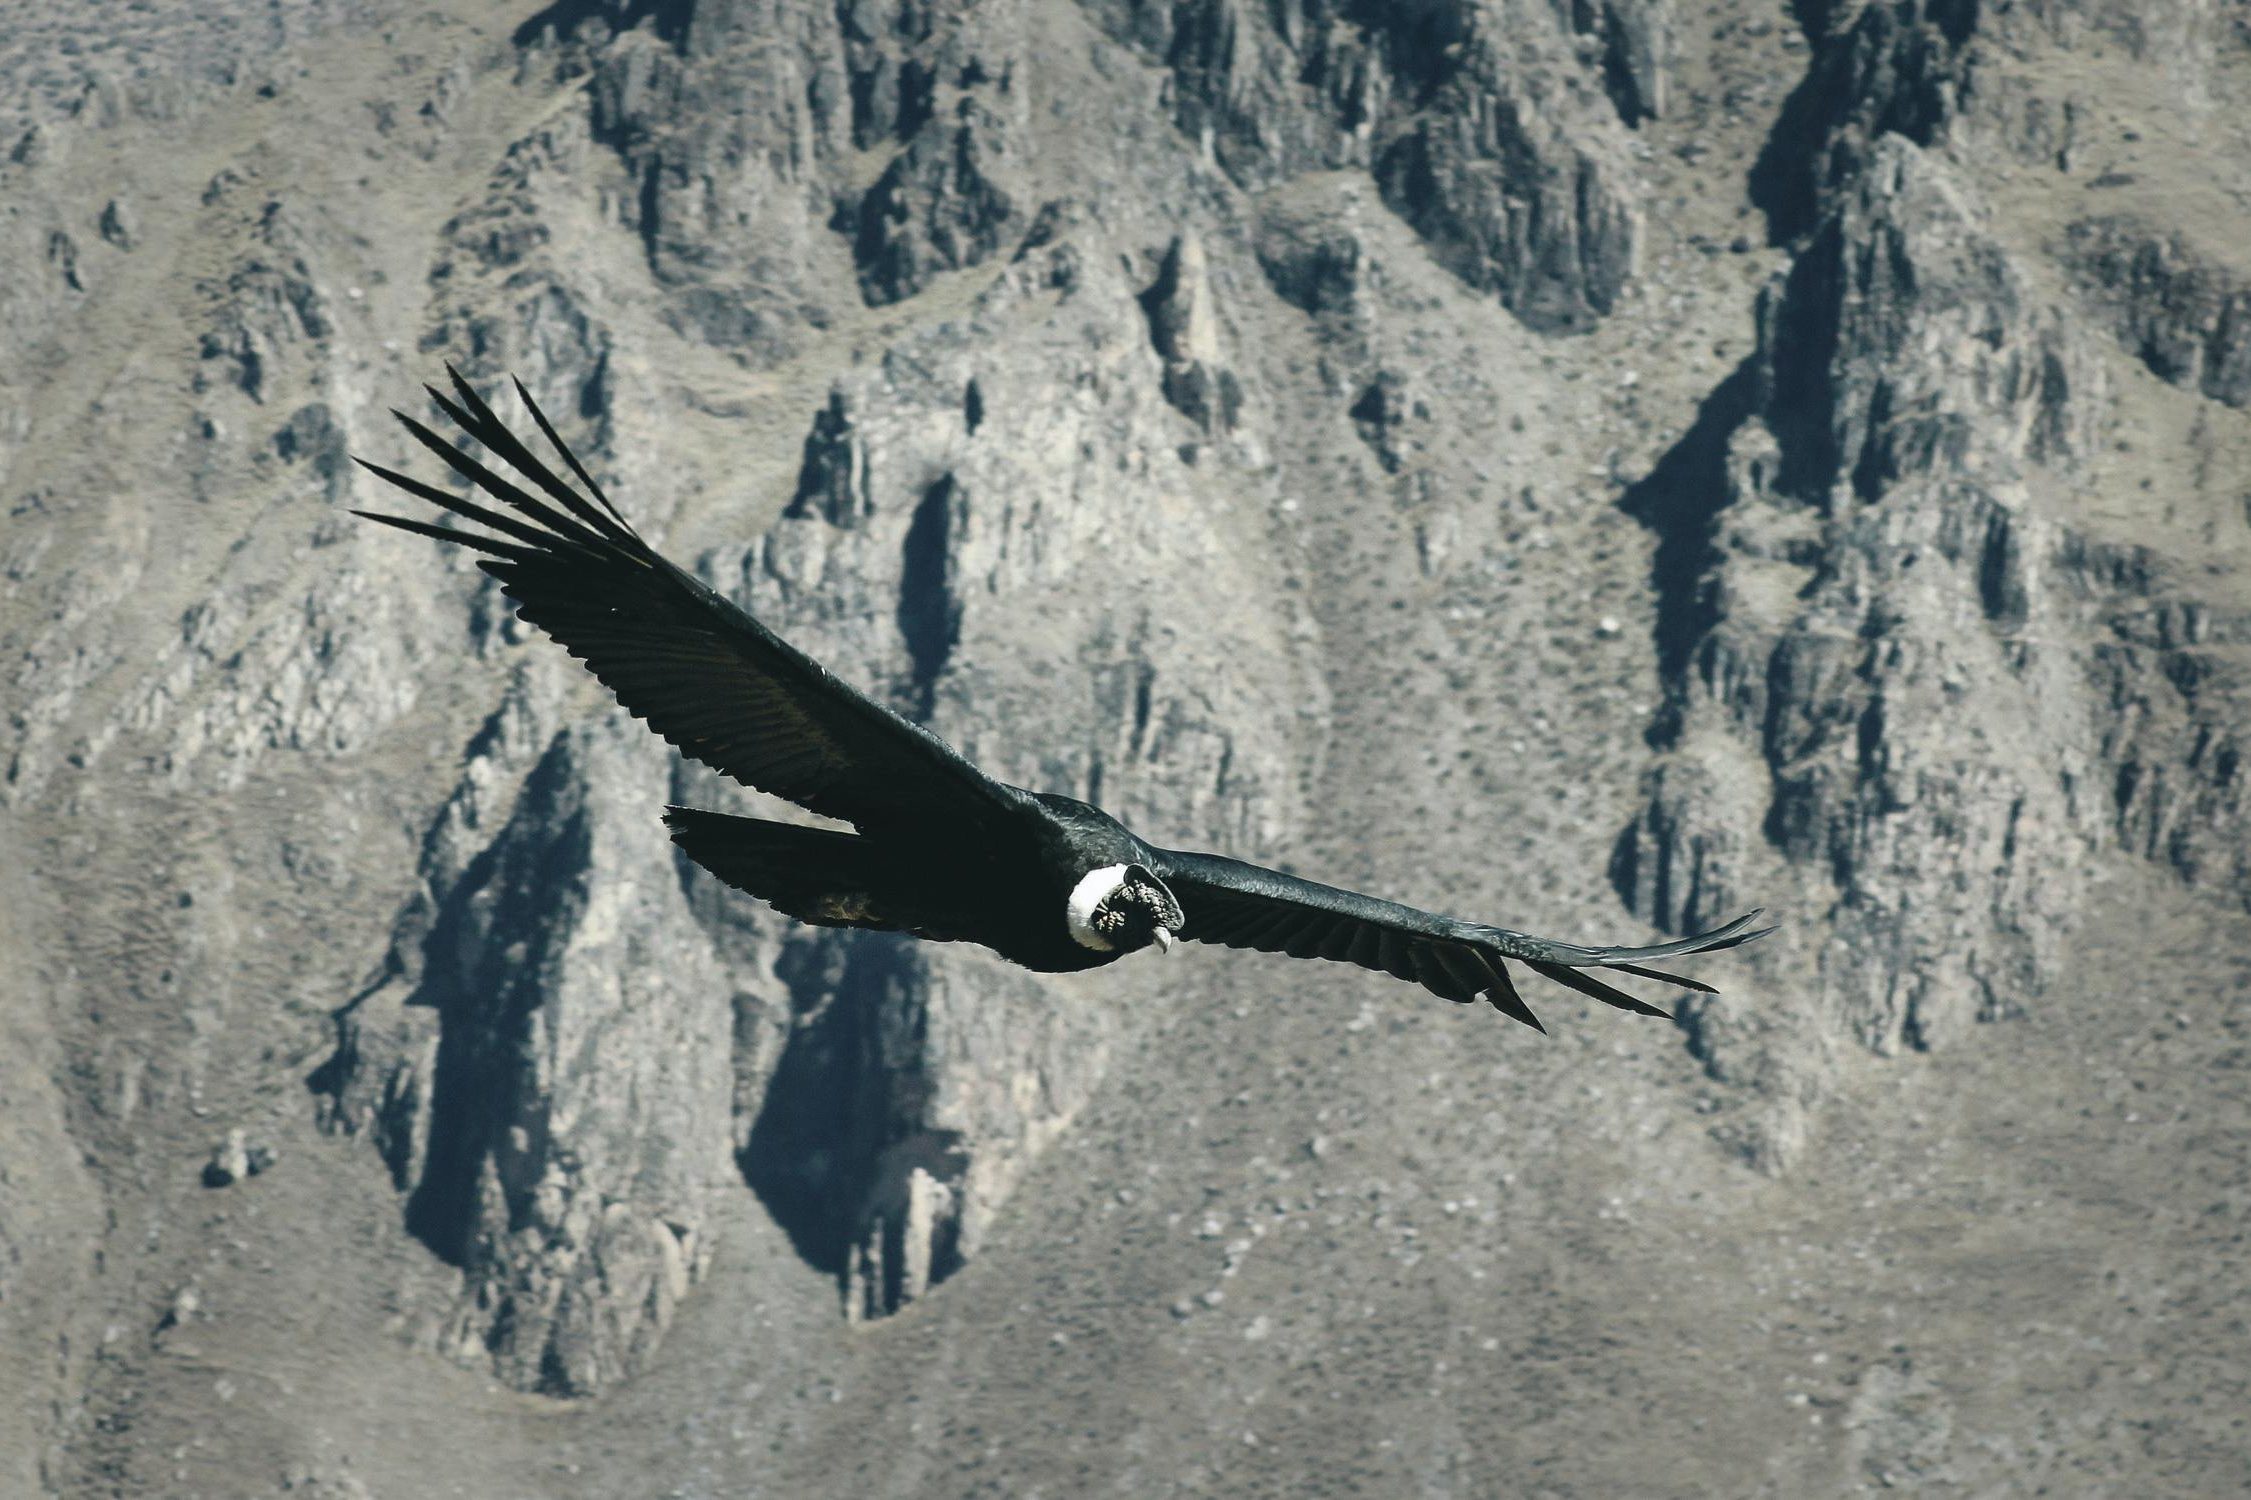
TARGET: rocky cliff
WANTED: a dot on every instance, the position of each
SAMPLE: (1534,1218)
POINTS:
(1589,466)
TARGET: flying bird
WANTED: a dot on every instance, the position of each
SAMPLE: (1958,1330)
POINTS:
(937,849)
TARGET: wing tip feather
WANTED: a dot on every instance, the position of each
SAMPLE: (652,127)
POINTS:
(1518,1012)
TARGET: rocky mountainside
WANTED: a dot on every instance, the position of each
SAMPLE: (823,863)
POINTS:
(1589,466)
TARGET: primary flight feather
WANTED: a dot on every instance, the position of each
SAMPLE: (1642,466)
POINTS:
(938,848)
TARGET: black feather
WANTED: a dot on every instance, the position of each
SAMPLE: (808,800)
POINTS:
(1587,984)
(467,539)
(699,670)
(1245,906)
(493,485)
(483,424)
(468,510)
(547,429)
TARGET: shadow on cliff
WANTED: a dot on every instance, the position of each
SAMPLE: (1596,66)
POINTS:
(837,1133)
(1872,70)
(1679,500)
(668,18)
(1783,176)
(481,958)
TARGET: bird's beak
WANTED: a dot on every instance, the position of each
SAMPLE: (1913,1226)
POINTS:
(1164,940)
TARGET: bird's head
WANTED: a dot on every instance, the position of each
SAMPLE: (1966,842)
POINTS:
(1121,909)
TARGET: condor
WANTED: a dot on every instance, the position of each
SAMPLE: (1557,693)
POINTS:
(938,848)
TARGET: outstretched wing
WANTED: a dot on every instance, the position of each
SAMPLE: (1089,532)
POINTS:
(1245,906)
(698,669)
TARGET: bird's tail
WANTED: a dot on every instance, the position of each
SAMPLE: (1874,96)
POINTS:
(817,875)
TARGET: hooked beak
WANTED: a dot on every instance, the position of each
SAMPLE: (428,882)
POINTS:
(1164,940)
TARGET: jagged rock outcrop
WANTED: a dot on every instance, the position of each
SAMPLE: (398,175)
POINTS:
(1633,40)
(965,554)
(1011,573)
(268,303)
(2181,314)
(736,125)
(945,203)
(1890,68)
(1315,256)
(2174,702)
(1380,415)
(1185,329)
(1866,576)
(1474,119)
(1862,614)
(545,1065)
(728,211)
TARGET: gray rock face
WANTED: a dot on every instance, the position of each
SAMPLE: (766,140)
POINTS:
(1634,41)
(1867,565)
(1185,329)
(1893,68)
(1378,439)
(2188,319)
(1472,117)
(726,218)
(1885,600)
(943,205)
(893,1095)
(994,565)
(2166,676)
(266,303)
(572,1193)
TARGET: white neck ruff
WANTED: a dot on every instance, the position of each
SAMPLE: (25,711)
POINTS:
(1093,889)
